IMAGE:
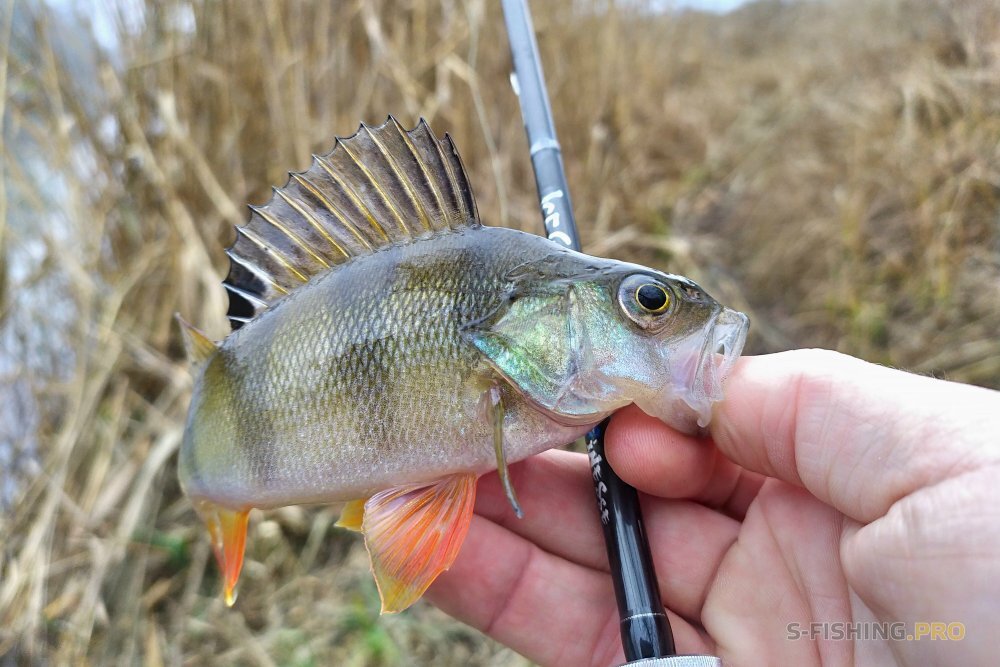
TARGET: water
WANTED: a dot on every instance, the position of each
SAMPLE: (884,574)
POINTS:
(39,319)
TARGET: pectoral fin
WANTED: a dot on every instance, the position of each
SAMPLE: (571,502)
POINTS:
(413,534)
(496,410)
(228,530)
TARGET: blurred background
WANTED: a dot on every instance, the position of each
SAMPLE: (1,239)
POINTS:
(832,168)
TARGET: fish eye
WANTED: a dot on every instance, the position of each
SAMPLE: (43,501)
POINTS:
(645,301)
(652,298)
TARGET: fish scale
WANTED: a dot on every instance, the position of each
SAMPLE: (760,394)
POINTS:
(370,389)
(399,349)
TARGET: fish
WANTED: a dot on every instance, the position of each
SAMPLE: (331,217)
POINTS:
(388,349)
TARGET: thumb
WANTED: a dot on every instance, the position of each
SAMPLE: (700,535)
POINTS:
(856,435)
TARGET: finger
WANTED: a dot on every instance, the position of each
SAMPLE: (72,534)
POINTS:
(655,458)
(856,435)
(739,494)
(659,461)
(556,491)
(687,540)
(550,610)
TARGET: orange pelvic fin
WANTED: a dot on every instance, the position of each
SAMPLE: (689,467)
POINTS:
(413,534)
(352,516)
(228,530)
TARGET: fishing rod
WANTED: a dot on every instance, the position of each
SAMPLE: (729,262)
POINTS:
(645,630)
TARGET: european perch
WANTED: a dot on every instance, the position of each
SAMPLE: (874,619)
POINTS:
(388,349)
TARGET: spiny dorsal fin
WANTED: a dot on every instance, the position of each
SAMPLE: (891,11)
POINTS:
(381,186)
(198,346)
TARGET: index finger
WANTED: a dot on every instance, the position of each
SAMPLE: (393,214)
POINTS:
(856,435)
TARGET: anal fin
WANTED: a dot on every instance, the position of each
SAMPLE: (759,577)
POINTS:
(414,533)
(228,530)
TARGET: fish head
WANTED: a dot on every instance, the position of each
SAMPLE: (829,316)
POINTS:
(661,341)
(583,342)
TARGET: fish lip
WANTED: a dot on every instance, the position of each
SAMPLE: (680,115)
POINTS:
(725,335)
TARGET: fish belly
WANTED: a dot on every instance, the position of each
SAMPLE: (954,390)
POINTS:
(361,380)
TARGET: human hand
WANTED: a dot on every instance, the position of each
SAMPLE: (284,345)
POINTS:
(831,490)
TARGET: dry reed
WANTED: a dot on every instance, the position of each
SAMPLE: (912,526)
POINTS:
(833,168)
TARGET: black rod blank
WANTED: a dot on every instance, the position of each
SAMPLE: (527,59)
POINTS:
(644,627)
(546,156)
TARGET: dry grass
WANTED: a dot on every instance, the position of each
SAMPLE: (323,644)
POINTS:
(832,168)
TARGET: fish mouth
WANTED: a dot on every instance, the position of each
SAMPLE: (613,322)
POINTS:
(725,335)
